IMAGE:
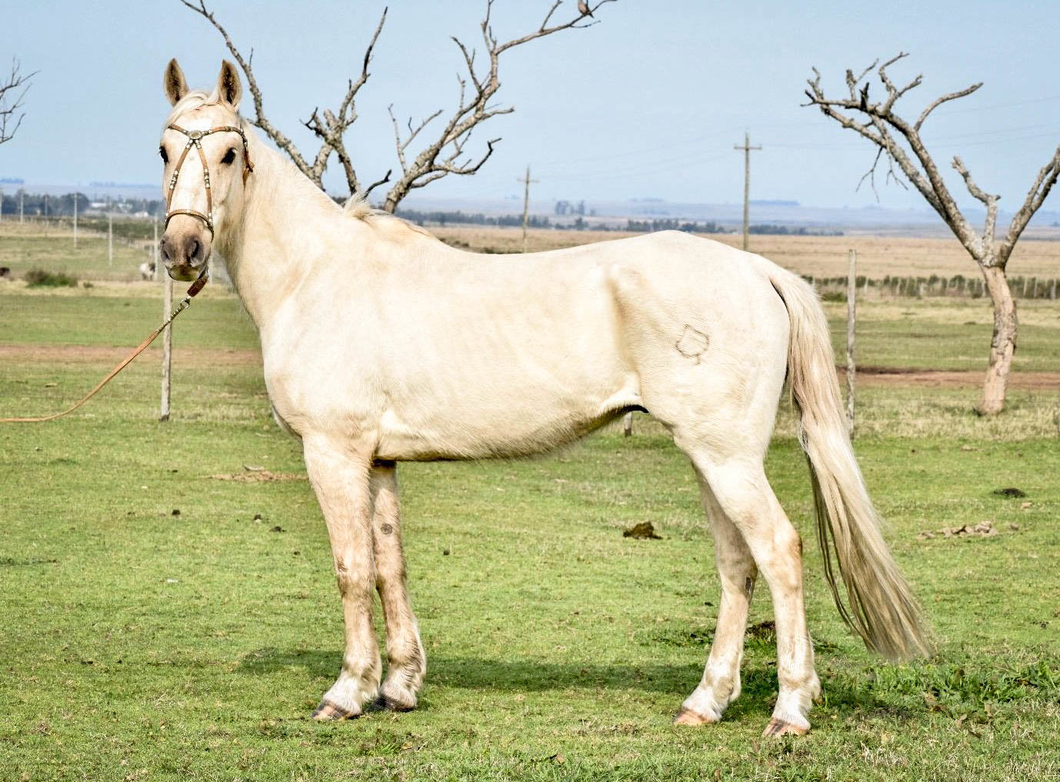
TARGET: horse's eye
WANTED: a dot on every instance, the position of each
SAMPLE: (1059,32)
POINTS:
(162,154)
(229,157)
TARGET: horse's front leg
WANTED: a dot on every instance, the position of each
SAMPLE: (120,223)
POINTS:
(407,663)
(339,473)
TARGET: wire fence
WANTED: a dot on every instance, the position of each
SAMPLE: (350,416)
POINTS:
(958,286)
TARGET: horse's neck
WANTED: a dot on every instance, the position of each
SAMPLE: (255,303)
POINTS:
(283,214)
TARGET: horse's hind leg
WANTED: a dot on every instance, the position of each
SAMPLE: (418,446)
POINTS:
(742,491)
(407,661)
(736,567)
(339,475)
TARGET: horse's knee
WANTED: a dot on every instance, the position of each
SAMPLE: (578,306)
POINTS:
(354,579)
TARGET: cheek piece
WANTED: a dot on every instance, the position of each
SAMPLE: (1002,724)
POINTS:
(195,140)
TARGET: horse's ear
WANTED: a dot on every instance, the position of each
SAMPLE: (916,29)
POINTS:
(173,82)
(228,85)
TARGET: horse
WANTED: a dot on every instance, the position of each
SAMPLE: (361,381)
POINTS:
(381,344)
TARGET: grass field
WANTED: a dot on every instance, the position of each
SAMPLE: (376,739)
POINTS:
(168,615)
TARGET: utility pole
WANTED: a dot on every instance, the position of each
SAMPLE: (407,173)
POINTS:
(75,219)
(746,180)
(110,239)
(21,197)
(154,253)
(167,346)
(526,201)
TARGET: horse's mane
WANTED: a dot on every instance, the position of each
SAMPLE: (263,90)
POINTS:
(357,207)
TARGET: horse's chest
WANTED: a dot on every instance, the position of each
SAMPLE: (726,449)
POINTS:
(312,390)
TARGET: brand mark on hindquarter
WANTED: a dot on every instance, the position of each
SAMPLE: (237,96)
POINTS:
(692,344)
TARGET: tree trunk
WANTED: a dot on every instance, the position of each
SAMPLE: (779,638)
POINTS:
(1003,344)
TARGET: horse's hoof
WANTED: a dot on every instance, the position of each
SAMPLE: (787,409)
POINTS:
(386,703)
(689,717)
(329,712)
(780,728)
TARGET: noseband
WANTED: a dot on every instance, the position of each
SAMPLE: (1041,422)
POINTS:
(195,140)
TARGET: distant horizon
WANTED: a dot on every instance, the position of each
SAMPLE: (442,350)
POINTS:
(914,219)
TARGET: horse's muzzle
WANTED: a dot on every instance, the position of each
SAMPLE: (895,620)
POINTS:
(184,254)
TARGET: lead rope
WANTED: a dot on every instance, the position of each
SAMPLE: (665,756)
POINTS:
(196,286)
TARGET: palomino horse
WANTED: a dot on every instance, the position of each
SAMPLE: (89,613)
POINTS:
(381,344)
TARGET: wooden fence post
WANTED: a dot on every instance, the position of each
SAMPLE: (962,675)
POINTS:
(167,344)
(852,314)
(627,424)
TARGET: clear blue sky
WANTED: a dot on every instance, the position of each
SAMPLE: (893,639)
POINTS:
(647,103)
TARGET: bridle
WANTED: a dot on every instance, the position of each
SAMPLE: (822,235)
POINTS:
(195,140)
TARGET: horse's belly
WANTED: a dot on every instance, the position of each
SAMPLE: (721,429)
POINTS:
(519,424)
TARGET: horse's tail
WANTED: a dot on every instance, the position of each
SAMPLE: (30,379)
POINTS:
(880,606)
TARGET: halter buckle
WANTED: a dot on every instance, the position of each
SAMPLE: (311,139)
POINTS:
(194,135)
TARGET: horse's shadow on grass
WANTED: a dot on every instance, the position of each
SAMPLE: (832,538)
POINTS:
(759,679)
(494,674)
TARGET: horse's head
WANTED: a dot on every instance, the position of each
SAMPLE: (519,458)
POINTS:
(205,166)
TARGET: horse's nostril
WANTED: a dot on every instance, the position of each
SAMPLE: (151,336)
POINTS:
(193,248)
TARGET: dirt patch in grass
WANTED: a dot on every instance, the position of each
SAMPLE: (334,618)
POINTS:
(260,476)
(103,354)
(946,378)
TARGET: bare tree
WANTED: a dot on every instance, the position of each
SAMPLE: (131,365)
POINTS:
(12,92)
(445,153)
(898,140)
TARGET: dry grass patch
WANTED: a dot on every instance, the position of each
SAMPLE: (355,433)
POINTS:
(820,256)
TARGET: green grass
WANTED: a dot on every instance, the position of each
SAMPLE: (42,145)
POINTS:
(89,260)
(194,646)
(139,644)
(950,334)
(99,317)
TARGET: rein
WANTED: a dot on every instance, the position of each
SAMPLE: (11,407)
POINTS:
(196,286)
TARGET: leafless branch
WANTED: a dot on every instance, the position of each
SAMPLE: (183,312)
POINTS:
(899,140)
(1035,197)
(990,201)
(892,176)
(445,154)
(871,173)
(329,128)
(374,185)
(943,99)
(12,93)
